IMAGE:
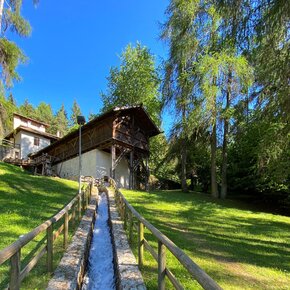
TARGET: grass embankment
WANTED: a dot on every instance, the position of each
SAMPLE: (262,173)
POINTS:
(237,247)
(26,201)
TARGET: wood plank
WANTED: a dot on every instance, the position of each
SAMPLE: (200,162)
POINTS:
(58,232)
(32,263)
(151,250)
(140,244)
(15,271)
(9,251)
(173,280)
(161,265)
(49,247)
(65,232)
(169,274)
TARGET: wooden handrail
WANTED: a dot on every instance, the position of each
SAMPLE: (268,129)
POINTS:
(196,272)
(9,251)
(12,251)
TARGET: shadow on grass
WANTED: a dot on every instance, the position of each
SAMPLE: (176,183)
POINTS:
(203,228)
(25,202)
(32,196)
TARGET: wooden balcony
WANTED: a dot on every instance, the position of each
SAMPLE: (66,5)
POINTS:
(9,150)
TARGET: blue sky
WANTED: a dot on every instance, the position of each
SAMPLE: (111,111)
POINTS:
(74,44)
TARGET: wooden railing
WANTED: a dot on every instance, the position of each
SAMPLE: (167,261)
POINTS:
(9,144)
(127,213)
(13,252)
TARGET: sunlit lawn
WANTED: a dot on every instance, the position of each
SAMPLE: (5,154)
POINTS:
(25,202)
(238,248)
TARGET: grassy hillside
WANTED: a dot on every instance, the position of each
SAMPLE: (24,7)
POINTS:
(25,202)
(239,248)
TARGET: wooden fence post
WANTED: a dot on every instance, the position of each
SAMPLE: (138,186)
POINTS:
(83,198)
(15,271)
(125,217)
(140,244)
(91,188)
(87,193)
(121,208)
(49,245)
(130,227)
(65,230)
(80,207)
(73,215)
(161,266)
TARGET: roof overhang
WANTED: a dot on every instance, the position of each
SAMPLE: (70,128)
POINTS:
(30,130)
(33,120)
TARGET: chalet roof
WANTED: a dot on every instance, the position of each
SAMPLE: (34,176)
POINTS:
(36,132)
(138,111)
(142,115)
(33,120)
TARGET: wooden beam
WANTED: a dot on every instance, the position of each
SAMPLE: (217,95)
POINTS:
(131,177)
(113,160)
(147,174)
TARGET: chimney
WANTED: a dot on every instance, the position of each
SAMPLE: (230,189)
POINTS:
(58,134)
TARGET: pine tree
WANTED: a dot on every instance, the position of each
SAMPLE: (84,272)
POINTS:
(10,54)
(27,110)
(75,111)
(61,121)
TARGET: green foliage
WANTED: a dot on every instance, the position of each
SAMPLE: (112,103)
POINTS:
(135,82)
(75,111)
(214,73)
(160,164)
(259,159)
(27,109)
(17,23)
(10,56)
(61,122)
(43,112)
(216,51)
(7,108)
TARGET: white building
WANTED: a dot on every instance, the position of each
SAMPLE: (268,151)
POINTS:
(28,136)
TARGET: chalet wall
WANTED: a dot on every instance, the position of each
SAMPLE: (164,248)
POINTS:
(26,139)
(17,141)
(95,163)
(20,121)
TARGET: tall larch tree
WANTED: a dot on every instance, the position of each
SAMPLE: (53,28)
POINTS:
(10,54)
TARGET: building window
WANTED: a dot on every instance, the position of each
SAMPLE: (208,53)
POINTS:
(36,141)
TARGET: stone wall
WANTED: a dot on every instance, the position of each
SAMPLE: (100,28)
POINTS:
(127,271)
(96,163)
(69,273)
(71,270)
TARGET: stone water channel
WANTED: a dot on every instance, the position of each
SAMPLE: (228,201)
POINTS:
(99,256)
(100,273)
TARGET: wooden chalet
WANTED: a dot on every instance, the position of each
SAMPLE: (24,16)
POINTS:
(122,132)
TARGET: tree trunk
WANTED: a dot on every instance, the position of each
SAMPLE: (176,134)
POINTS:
(224,187)
(183,155)
(214,188)
(1,14)
(183,166)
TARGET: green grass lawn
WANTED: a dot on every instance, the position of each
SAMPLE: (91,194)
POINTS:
(25,202)
(239,248)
